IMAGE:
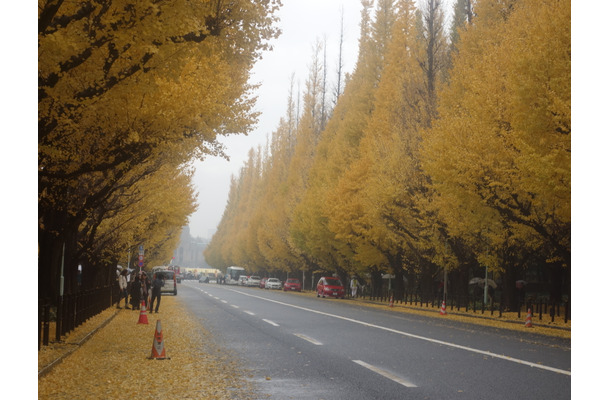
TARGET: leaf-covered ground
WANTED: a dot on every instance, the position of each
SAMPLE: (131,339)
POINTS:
(114,364)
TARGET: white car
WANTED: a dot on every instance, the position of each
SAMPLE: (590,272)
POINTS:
(243,280)
(253,281)
(273,283)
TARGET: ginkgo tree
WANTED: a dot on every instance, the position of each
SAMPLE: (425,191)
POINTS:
(125,84)
(499,154)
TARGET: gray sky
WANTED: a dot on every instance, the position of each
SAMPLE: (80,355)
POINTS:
(302,23)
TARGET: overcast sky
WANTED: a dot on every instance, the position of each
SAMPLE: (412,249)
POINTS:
(302,23)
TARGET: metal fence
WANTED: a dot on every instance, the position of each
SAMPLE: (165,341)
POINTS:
(474,304)
(71,310)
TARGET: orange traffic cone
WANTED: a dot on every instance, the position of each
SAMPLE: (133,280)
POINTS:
(392,301)
(528,319)
(143,318)
(444,308)
(158,349)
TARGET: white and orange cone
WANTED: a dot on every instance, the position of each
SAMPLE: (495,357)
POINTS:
(392,301)
(158,349)
(528,319)
(444,308)
(143,318)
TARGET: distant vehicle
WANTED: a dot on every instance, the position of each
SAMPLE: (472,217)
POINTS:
(330,286)
(242,280)
(170,281)
(203,279)
(262,284)
(233,274)
(179,278)
(273,283)
(254,281)
(292,284)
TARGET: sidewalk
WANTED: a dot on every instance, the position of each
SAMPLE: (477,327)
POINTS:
(107,357)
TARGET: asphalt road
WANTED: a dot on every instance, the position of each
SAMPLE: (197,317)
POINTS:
(304,347)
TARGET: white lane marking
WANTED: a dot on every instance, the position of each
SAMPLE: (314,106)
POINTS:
(234,306)
(385,373)
(270,322)
(249,312)
(224,301)
(310,340)
(411,335)
(210,294)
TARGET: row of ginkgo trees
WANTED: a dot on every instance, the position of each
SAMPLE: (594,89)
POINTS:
(441,154)
(129,93)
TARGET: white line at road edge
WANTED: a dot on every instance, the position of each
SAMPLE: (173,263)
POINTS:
(456,346)
(385,373)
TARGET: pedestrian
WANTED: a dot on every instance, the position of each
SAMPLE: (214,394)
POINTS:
(136,292)
(122,288)
(145,289)
(157,283)
(354,286)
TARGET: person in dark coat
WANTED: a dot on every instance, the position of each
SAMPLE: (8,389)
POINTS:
(135,292)
(157,283)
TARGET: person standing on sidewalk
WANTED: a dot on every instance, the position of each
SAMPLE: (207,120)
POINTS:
(136,288)
(157,284)
(145,289)
(122,288)
(354,286)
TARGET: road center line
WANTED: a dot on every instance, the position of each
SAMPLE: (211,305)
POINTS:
(386,374)
(310,340)
(411,335)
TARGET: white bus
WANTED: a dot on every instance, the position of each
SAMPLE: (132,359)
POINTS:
(232,275)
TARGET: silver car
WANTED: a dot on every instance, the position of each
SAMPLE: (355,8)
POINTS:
(273,283)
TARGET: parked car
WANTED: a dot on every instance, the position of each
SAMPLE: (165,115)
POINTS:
(241,281)
(330,286)
(179,278)
(170,281)
(273,283)
(263,282)
(254,281)
(203,279)
(292,284)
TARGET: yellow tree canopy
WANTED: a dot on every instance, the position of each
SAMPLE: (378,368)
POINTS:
(499,155)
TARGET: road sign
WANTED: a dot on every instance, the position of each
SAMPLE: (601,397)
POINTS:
(141,250)
(141,257)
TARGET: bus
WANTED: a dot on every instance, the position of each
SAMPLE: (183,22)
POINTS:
(233,273)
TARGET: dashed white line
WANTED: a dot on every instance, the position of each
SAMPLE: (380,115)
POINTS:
(270,322)
(234,306)
(310,340)
(249,312)
(224,301)
(386,374)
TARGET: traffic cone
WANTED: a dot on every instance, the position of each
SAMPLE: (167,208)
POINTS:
(392,301)
(158,349)
(143,318)
(444,308)
(528,319)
